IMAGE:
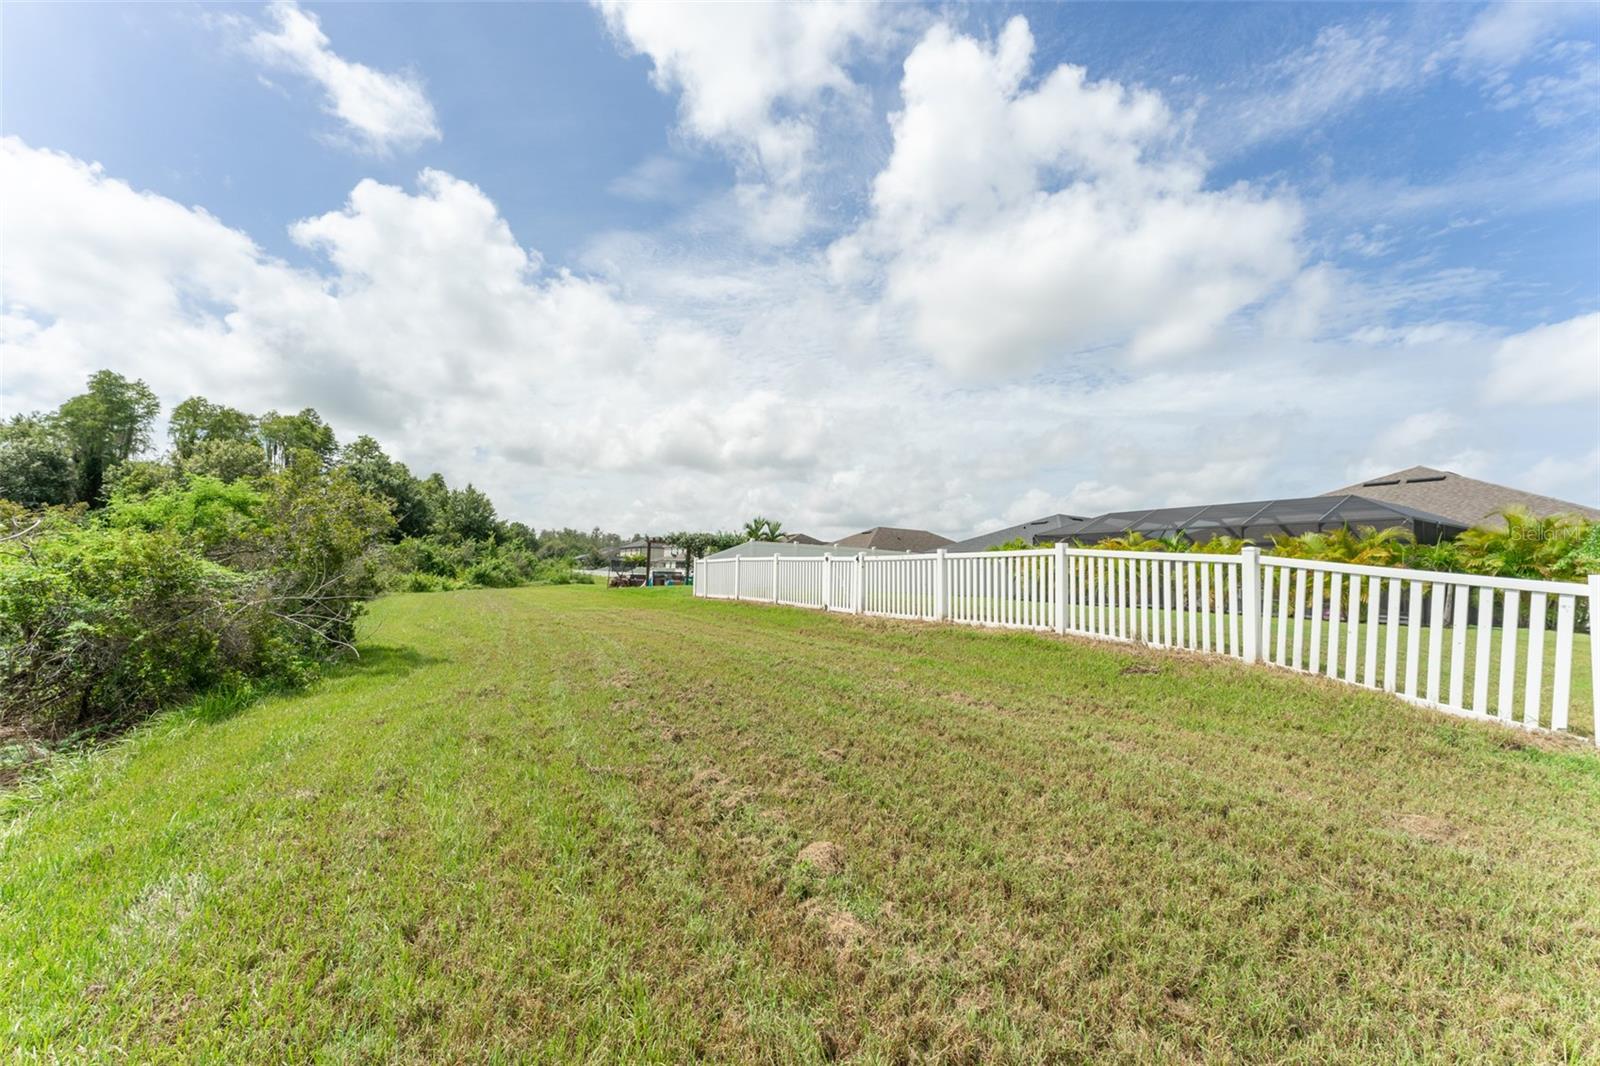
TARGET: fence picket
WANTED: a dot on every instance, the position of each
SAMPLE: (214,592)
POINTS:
(1561,696)
(1413,637)
(1314,652)
(1458,648)
(1435,640)
(1533,693)
(1222,605)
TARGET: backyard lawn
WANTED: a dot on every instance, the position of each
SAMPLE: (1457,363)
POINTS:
(575,823)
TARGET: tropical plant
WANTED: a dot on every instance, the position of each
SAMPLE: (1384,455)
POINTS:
(1526,546)
(1365,546)
(1134,541)
(1220,544)
(759,528)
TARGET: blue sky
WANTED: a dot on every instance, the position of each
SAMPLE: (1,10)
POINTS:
(953,266)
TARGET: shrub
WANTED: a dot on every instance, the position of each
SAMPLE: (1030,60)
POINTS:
(99,624)
(213,516)
(105,617)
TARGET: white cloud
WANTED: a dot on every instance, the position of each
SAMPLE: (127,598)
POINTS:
(751,79)
(1513,51)
(1573,477)
(1343,66)
(381,111)
(680,385)
(1019,225)
(656,178)
(1558,363)
(1506,33)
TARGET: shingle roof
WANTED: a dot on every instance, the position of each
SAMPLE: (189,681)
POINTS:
(764,549)
(1463,499)
(1025,530)
(889,538)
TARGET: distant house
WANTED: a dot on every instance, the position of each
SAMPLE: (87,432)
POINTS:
(1431,504)
(1461,499)
(661,557)
(889,538)
(798,538)
(765,549)
(1026,531)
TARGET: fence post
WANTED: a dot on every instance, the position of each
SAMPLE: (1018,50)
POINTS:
(1250,592)
(774,579)
(736,575)
(827,581)
(858,583)
(941,592)
(1061,587)
(1594,645)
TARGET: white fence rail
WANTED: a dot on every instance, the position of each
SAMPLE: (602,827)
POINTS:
(1469,645)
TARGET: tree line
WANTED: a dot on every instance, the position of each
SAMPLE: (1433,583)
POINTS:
(238,558)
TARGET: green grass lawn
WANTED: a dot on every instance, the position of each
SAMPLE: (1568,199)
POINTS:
(564,824)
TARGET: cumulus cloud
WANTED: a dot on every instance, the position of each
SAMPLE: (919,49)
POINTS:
(1015,225)
(749,79)
(381,112)
(1557,363)
(671,386)
(430,325)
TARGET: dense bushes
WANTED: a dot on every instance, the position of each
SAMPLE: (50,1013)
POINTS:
(106,615)
(432,564)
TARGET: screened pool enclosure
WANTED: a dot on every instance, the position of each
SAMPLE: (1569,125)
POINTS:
(1257,521)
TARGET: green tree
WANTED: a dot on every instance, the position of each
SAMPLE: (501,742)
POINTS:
(284,435)
(36,467)
(105,426)
(317,549)
(436,494)
(469,515)
(699,545)
(365,461)
(198,420)
(226,460)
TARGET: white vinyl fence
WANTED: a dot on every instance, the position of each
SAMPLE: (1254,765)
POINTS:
(1474,646)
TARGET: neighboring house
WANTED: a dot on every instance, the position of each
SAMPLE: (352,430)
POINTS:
(1026,531)
(765,549)
(1465,500)
(798,538)
(888,538)
(1259,520)
(663,556)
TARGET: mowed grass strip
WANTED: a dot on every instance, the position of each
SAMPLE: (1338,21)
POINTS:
(566,824)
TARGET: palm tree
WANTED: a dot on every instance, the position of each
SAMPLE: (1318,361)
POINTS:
(1134,541)
(759,528)
(1221,544)
(1528,546)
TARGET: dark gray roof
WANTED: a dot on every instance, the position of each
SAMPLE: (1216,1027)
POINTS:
(1025,530)
(764,549)
(1259,519)
(890,538)
(1462,499)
